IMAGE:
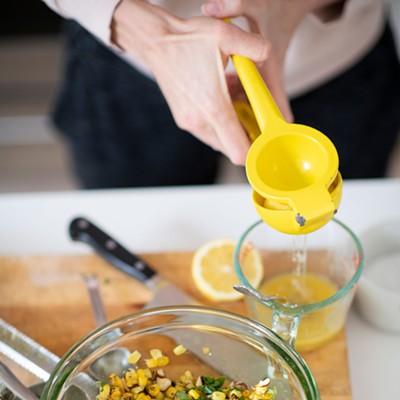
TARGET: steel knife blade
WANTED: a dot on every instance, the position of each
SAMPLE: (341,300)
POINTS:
(34,358)
(164,292)
(25,352)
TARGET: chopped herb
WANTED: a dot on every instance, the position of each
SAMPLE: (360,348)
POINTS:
(210,385)
(182,394)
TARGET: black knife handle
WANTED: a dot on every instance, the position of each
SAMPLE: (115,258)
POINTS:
(81,229)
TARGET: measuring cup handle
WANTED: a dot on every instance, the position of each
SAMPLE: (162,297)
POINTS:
(261,100)
(286,326)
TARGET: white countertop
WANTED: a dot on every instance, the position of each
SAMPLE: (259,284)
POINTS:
(165,219)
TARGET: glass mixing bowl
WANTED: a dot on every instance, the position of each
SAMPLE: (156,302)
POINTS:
(218,343)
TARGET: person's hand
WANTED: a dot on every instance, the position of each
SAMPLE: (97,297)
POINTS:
(276,20)
(187,59)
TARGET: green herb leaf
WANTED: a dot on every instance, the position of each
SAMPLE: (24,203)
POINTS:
(210,385)
(182,395)
(273,391)
(101,384)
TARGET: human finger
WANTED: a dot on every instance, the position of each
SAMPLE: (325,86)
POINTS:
(231,8)
(234,40)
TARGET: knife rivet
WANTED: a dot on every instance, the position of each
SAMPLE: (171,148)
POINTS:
(83,224)
(110,244)
(139,265)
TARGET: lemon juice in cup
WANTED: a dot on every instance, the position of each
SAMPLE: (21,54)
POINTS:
(316,279)
(306,289)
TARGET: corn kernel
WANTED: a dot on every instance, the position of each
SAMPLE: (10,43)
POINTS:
(116,394)
(187,377)
(218,396)
(160,396)
(147,373)
(194,393)
(137,389)
(163,361)
(130,378)
(142,377)
(179,350)
(206,350)
(152,363)
(134,357)
(156,353)
(237,393)
(260,390)
(171,392)
(153,390)
(143,396)
(104,392)
(115,381)
(142,381)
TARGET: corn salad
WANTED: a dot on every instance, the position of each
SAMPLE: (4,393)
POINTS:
(152,383)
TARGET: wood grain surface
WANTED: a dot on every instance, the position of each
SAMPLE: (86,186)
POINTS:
(46,298)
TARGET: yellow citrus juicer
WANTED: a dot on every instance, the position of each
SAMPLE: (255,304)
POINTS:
(292,168)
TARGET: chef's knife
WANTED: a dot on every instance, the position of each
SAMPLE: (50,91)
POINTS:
(164,292)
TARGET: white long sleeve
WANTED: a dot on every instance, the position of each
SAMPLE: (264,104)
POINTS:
(94,15)
(322,50)
(318,51)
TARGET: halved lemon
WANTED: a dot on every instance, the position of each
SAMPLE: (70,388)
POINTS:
(213,269)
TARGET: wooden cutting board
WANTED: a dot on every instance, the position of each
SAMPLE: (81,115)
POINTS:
(45,297)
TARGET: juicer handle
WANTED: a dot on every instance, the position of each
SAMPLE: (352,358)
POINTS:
(247,119)
(263,104)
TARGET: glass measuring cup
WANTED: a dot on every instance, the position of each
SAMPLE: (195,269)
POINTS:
(238,348)
(316,274)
